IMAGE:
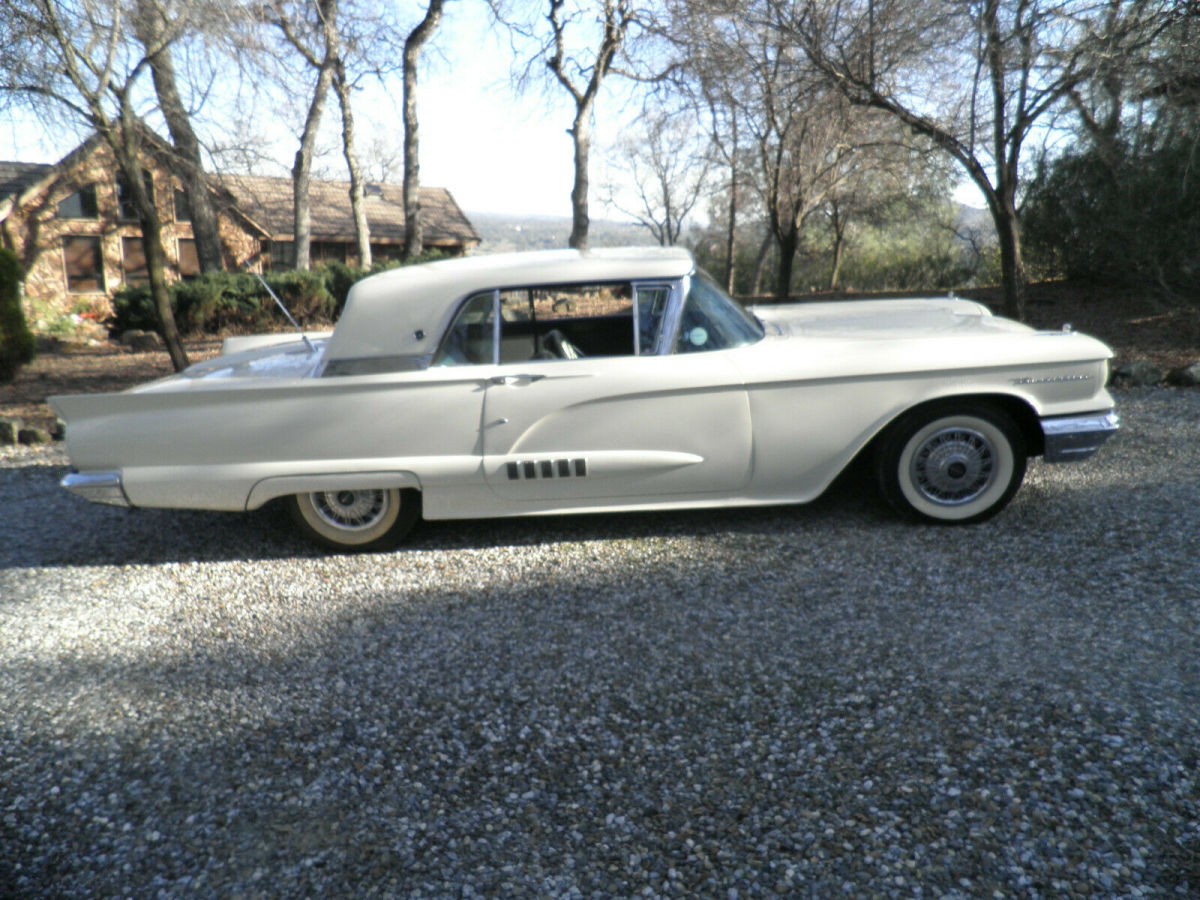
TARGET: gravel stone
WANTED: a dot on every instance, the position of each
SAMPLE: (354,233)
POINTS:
(810,701)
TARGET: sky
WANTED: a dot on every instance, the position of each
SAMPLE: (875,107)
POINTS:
(496,150)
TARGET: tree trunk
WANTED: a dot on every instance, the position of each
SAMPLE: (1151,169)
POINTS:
(362,229)
(156,267)
(839,247)
(760,264)
(731,233)
(302,168)
(581,134)
(414,226)
(126,150)
(187,148)
(788,242)
(1012,271)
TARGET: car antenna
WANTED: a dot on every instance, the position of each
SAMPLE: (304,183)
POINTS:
(295,324)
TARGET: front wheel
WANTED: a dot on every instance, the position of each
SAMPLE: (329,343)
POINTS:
(952,463)
(358,520)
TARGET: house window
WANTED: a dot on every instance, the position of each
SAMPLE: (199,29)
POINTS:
(183,207)
(326,251)
(133,261)
(83,264)
(387,252)
(125,199)
(189,261)
(80,205)
(283,255)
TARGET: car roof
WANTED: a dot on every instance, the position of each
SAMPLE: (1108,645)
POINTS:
(403,312)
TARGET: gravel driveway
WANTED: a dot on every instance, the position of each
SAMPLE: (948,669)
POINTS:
(814,701)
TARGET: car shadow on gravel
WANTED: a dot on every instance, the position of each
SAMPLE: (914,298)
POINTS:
(46,527)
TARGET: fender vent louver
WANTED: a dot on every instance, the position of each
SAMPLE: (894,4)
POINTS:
(546,468)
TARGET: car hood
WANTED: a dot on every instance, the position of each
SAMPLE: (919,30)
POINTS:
(885,319)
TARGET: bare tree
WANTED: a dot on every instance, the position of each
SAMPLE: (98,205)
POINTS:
(778,128)
(804,154)
(1142,64)
(583,88)
(152,20)
(580,43)
(974,76)
(799,131)
(80,59)
(384,159)
(414,232)
(710,77)
(888,179)
(724,144)
(666,164)
(358,207)
(311,29)
(342,42)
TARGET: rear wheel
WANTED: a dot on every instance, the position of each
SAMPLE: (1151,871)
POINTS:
(357,520)
(951,463)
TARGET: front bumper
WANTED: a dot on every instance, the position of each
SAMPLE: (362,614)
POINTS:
(98,487)
(1073,438)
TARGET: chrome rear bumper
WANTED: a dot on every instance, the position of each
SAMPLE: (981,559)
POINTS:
(1072,438)
(98,487)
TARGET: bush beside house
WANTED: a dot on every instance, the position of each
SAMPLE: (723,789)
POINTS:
(224,302)
(17,345)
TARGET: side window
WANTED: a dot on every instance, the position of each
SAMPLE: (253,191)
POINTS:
(557,322)
(566,322)
(713,321)
(469,341)
(652,300)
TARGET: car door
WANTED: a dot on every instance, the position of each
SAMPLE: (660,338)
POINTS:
(601,419)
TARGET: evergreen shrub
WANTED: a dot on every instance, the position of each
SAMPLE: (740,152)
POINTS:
(235,301)
(17,345)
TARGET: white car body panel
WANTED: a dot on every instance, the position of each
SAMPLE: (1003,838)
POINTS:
(773,421)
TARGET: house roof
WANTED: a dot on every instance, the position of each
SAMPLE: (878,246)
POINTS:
(268,203)
(15,177)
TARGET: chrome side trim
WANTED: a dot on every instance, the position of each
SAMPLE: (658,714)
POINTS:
(97,487)
(1074,438)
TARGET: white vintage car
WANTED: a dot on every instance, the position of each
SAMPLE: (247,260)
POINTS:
(567,382)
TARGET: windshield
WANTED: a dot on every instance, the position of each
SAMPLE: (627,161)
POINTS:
(712,320)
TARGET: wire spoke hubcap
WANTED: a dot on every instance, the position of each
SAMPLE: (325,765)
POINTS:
(351,510)
(953,466)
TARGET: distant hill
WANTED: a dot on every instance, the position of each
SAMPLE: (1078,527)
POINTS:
(503,233)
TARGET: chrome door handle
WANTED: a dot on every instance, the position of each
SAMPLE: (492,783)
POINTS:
(513,380)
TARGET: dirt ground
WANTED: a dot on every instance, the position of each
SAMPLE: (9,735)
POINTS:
(1136,324)
(83,369)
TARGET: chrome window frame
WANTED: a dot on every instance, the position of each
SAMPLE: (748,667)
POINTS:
(673,286)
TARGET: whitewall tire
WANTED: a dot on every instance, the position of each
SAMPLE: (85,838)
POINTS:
(357,520)
(951,463)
